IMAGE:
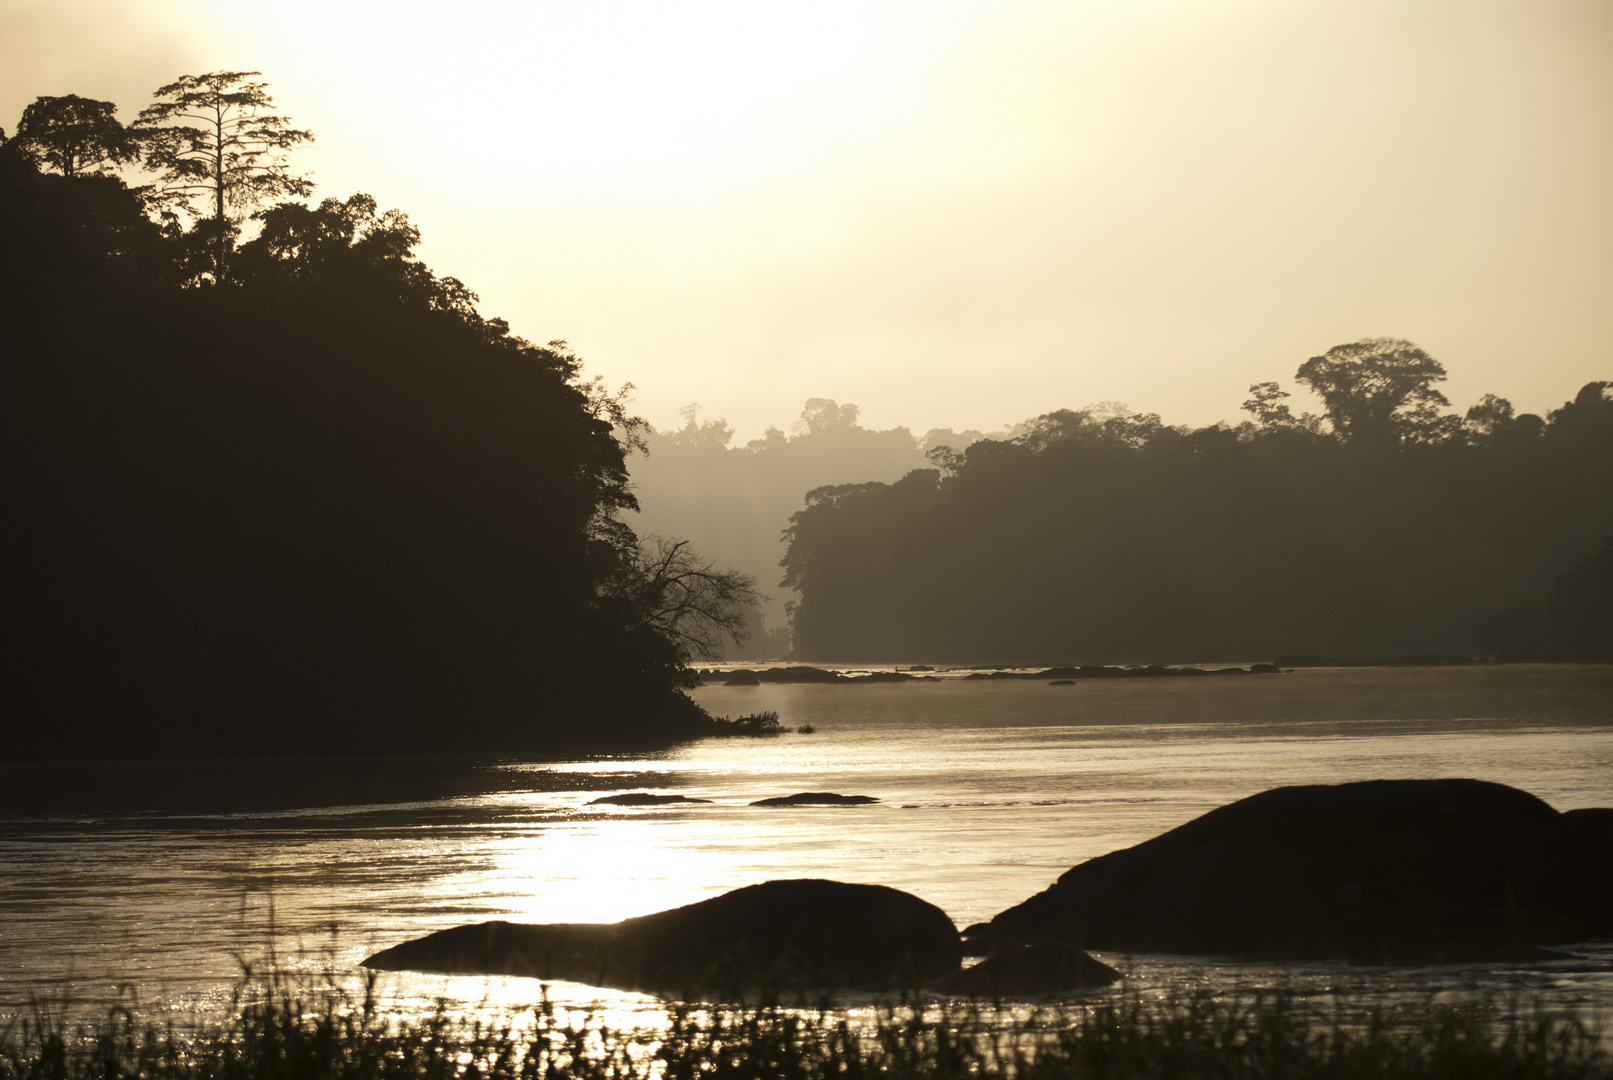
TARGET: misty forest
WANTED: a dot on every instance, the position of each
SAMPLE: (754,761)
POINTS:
(1380,529)
(265,464)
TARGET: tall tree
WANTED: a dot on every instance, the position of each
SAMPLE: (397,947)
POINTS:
(1378,391)
(216,136)
(75,135)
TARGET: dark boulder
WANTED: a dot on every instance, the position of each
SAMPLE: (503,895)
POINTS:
(1036,969)
(808,933)
(643,798)
(1397,871)
(799,675)
(816,798)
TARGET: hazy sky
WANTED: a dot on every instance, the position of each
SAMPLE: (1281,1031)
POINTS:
(950,213)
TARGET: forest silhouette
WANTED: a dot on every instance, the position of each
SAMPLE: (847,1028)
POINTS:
(275,488)
(1381,527)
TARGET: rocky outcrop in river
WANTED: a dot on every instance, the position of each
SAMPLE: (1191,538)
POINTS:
(780,933)
(1393,871)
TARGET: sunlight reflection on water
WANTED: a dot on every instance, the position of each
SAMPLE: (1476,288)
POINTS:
(987,792)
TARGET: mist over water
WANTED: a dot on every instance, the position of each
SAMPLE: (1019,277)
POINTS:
(160,876)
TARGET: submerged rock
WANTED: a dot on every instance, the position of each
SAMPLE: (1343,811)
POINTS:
(643,798)
(816,798)
(1034,969)
(887,676)
(810,933)
(1386,871)
(800,674)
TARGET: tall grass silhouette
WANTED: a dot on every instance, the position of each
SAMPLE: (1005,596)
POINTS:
(285,1027)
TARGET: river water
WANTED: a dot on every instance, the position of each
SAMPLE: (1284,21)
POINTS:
(157,880)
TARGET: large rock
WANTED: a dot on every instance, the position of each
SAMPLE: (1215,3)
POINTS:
(780,933)
(1400,871)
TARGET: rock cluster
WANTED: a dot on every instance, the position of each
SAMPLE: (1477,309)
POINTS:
(1387,871)
(1396,871)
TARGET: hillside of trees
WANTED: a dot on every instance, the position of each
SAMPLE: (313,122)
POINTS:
(1383,526)
(275,488)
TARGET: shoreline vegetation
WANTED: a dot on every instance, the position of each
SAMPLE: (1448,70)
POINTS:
(803,674)
(799,674)
(291,1027)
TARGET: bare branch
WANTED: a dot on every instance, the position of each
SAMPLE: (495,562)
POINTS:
(687,599)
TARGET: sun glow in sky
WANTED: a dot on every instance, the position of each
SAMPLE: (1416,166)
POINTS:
(950,213)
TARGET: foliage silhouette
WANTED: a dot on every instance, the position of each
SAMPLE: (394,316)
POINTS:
(214,137)
(321,508)
(1378,391)
(75,135)
(1100,535)
(298,1026)
(692,603)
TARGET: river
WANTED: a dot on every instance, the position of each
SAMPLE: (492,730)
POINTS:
(155,880)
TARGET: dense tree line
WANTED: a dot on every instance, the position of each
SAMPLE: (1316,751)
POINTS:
(274,487)
(1383,526)
(1574,622)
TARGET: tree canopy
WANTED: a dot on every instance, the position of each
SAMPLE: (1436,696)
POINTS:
(1378,392)
(323,506)
(1103,535)
(216,138)
(75,136)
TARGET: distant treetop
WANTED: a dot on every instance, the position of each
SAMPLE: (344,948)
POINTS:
(216,138)
(1378,391)
(75,135)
